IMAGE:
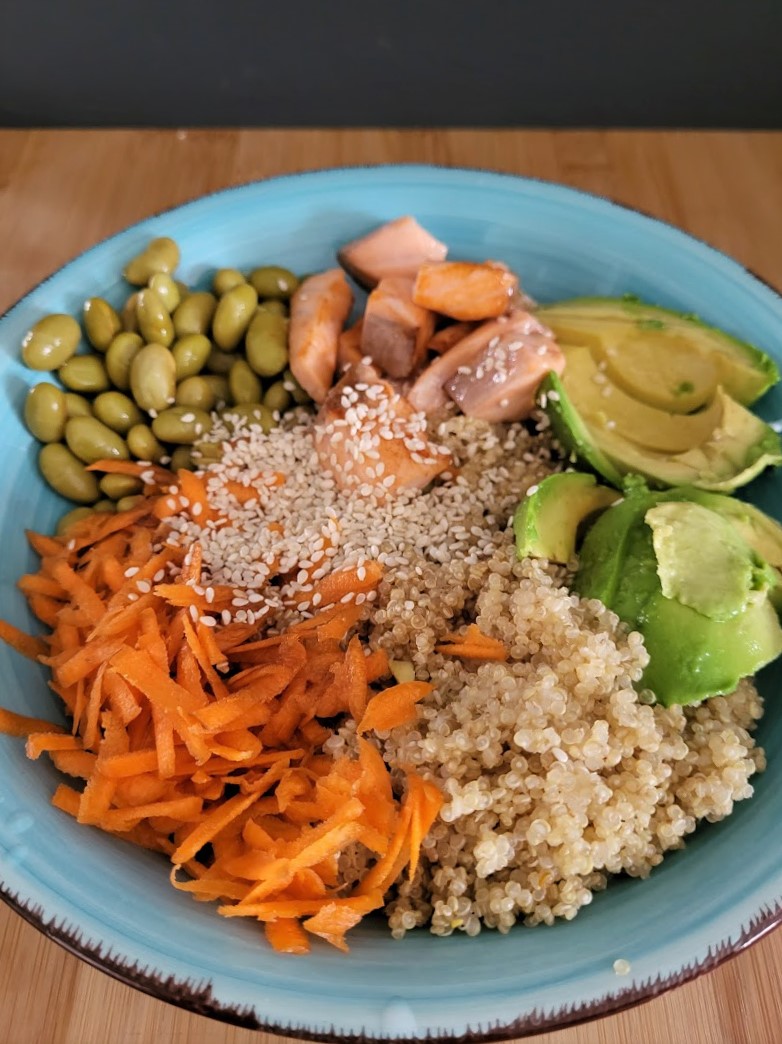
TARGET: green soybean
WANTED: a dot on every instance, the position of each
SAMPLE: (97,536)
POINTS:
(190,355)
(77,406)
(277,397)
(232,317)
(118,486)
(129,314)
(51,342)
(117,411)
(182,425)
(85,373)
(101,323)
(127,503)
(226,279)
(243,384)
(250,414)
(274,281)
(277,307)
(166,289)
(154,322)
(219,385)
(143,444)
(90,440)
(105,507)
(300,397)
(182,458)
(153,377)
(207,453)
(45,412)
(119,356)
(160,255)
(266,343)
(195,391)
(66,474)
(220,361)
(71,517)
(194,315)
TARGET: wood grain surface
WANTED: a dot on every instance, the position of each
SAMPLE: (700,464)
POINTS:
(60,192)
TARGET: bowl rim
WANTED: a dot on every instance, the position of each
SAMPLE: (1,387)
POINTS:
(197,997)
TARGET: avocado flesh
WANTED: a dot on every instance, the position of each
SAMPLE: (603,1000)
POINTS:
(664,358)
(546,523)
(570,430)
(692,656)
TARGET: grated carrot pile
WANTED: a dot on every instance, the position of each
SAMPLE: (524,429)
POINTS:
(205,742)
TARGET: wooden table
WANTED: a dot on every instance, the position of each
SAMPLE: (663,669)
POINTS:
(60,192)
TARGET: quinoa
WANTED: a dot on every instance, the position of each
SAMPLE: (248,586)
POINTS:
(558,772)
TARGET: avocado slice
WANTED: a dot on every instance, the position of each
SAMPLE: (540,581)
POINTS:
(547,521)
(570,430)
(693,654)
(664,358)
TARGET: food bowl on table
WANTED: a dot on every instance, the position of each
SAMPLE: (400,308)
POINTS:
(112,904)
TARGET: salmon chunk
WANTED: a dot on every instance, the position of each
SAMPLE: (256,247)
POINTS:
(371,440)
(396,331)
(464,290)
(492,373)
(319,309)
(450,335)
(349,348)
(398,248)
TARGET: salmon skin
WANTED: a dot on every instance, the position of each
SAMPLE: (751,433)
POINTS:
(396,331)
(398,248)
(494,372)
(319,310)
(464,290)
(369,437)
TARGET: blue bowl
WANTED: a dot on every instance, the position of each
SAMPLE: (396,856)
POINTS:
(113,905)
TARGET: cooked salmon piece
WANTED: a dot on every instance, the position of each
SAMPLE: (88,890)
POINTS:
(492,373)
(349,348)
(450,335)
(371,440)
(465,290)
(396,331)
(398,248)
(319,309)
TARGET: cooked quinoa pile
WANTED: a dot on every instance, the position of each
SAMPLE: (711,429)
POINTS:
(557,771)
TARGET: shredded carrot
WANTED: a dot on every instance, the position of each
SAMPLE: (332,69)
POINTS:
(338,585)
(40,742)
(12,724)
(32,648)
(473,645)
(393,706)
(287,936)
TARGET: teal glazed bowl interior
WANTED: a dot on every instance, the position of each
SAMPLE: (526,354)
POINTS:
(113,905)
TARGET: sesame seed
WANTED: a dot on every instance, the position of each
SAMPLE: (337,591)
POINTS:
(130,571)
(144,586)
(207,621)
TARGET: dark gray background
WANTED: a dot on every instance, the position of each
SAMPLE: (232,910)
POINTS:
(707,63)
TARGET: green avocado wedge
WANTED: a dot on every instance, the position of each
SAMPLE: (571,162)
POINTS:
(547,521)
(667,359)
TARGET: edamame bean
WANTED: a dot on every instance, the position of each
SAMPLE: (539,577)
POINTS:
(85,373)
(66,474)
(105,507)
(51,342)
(195,391)
(226,279)
(77,406)
(117,411)
(166,289)
(277,307)
(90,440)
(300,397)
(45,412)
(129,314)
(182,458)
(182,425)
(101,323)
(160,255)
(207,453)
(119,355)
(248,414)
(219,385)
(194,314)
(266,343)
(154,322)
(115,487)
(128,503)
(277,397)
(243,384)
(232,317)
(190,355)
(183,288)
(143,444)
(71,518)
(153,377)
(220,361)
(274,281)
